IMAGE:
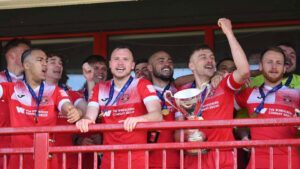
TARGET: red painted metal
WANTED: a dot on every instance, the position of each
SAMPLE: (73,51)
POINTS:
(41,144)
(147,159)
(21,162)
(289,157)
(252,161)
(235,158)
(199,159)
(79,166)
(218,158)
(271,157)
(95,160)
(129,159)
(209,37)
(5,161)
(64,161)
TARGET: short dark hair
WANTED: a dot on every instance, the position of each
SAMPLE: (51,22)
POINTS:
(27,52)
(94,59)
(138,61)
(64,77)
(222,60)
(121,47)
(287,44)
(201,47)
(14,43)
(274,49)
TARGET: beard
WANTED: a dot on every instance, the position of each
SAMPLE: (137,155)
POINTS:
(272,79)
(163,77)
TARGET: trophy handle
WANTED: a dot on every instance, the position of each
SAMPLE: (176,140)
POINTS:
(168,92)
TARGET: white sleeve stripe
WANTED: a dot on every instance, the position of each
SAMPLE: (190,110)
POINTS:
(236,106)
(94,104)
(149,98)
(61,103)
(229,84)
(77,101)
(1,91)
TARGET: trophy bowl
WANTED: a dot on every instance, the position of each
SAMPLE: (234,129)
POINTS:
(188,102)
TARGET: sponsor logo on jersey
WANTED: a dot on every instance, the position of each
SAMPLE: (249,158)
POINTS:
(104,99)
(45,100)
(20,110)
(107,113)
(20,96)
(263,110)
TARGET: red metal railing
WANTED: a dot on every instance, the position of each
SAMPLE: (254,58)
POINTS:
(42,149)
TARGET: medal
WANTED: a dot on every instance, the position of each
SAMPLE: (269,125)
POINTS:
(254,115)
(165,112)
(200,118)
(35,119)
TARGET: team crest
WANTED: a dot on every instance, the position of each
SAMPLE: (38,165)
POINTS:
(125,98)
(44,100)
(287,99)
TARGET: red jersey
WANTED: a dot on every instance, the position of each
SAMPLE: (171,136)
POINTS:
(4,113)
(281,103)
(217,108)
(165,136)
(23,111)
(130,104)
(65,139)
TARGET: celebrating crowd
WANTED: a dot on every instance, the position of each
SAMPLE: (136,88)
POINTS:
(33,93)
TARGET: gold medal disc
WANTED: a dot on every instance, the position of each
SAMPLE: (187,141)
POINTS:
(165,112)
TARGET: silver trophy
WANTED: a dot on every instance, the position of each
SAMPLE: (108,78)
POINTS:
(188,102)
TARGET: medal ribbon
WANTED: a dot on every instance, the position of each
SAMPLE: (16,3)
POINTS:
(7,76)
(263,96)
(202,98)
(202,101)
(288,81)
(37,99)
(63,87)
(86,94)
(161,96)
(111,92)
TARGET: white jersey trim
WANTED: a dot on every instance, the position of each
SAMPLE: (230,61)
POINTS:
(77,101)
(229,84)
(1,91)
(236,106)
(94,104)
(150,98)
(61,103)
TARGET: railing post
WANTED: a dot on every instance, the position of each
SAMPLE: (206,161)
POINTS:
(41,145)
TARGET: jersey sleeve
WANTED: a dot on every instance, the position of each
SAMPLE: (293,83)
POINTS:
(94,99)
(75,97)
(146,90)
(60,97)
(4,89)
(240,99)
(232,84)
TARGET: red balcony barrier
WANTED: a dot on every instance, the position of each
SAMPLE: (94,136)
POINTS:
(42,149)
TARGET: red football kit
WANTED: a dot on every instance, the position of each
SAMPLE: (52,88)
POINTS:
(218,105)
(65,139)
(4,113)
(279,104)
(130,104)
(23,108)
(165,136)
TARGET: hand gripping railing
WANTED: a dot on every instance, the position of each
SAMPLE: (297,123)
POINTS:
(42,149)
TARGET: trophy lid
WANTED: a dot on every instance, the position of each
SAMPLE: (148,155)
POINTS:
(187,93)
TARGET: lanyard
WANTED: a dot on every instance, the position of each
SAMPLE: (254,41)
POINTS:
(263,96)
(86,94)
(288,81)
(7,76)
(161,96)
(37,99)
(63,86)
(202,97)
(111,92)
(202,101)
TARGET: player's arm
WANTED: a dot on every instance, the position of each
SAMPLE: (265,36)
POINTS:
(154,114)
(182,80)
(243,69)
(71,111)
